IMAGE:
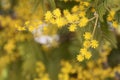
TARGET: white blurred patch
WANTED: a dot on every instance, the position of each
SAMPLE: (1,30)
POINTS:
(44,39)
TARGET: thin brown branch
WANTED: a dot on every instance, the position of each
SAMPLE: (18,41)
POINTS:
(96,16)
(92,18)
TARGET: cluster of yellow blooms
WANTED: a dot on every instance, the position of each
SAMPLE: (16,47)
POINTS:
(30,21)
(111,18)
(87,44)
(40,69)
(24,19)
(9,39)
(93,70)
(10,36)
(77,17)
(28,26)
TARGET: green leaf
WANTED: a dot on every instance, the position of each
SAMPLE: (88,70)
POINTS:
(101,11)
(30,53)
(36,4)
(52,4)
(111,38)
(109,35)
(113,4)
(15,71)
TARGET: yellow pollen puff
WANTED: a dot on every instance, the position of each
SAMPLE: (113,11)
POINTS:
(115,24)
(72,27)
(81,7)
(48,15)
(75,9)
(82,14)
(10,46)
(83,51)
(94,43)
(86,44)
(87,36)
(60,22)
(109,18)
(41,65)
(65,12)
(112,13)
(83,22)
(88,55)
(80,58)
(71,18)
(86,4)
(57,12)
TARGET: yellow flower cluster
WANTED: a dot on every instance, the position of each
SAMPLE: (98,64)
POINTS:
(55,18)
(92,71)
(105,51)
(72,27)
(10,46)
(111,18)
(27,13)
(76,17)
(29,26)
(10,37)
(40,69)
(65,70)
(32,18)
(8,41)
(89,42)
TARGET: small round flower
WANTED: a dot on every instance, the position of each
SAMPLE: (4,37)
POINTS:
(83,22)
(87,35)
(115,24)
(72,27)
(48,15)
(94,43)
(88,55)
(112,13)
(86,4)
(83,51)
(57,13)
(82,14)
(80,58)
(86,43)
(66,12)
(60,22)
(72,17)
(75,9)
(109,18)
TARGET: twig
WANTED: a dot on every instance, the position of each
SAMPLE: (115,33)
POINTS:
(96,16)
(92,18)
